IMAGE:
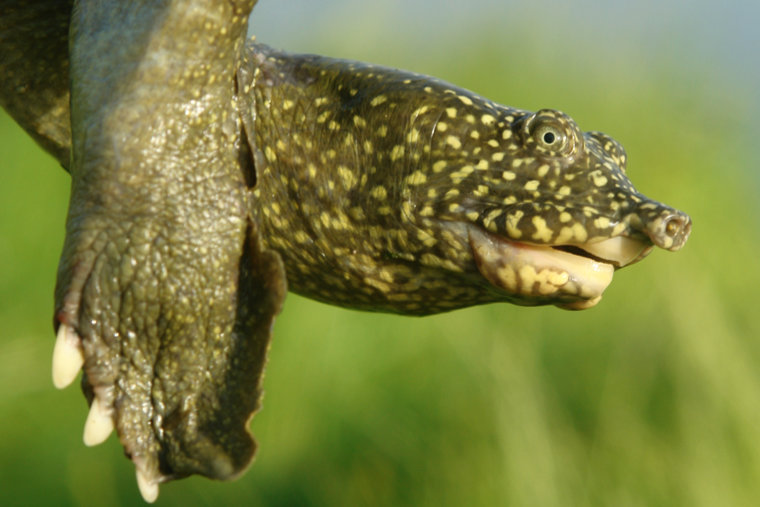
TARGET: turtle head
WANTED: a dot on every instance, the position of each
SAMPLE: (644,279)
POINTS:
(548,210)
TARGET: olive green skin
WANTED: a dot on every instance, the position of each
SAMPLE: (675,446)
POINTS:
(368,180)
(160,274)
(206,173)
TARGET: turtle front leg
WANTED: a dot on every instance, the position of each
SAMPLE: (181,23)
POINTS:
(164,295)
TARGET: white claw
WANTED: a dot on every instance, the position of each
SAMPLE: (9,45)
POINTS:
(99,423)
(68,357)
(148,489)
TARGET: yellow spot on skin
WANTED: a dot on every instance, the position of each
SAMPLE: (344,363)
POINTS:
(512,220)
(451,112)
(442,126)
(564,190)
(564,236)
(454,142)
(380,99)
(487,120)
(481,191)
(506,134)
(420,110)
(287,104)
(531,185)
(489,224)
(427,211)
(550,281)
(382,286)
(439,166)
(580,233)
(319,101)
(498,156)
(493,143)
(454,207)
(475,134)
(543,233)
(508,175)
(482,165)
(472,216)
(507,278)
(600,180)
(397,152)
(359,121)
(413,136)
(565,217)
(270,154)
(323,117)
(426,238)
(465,99)
(543,170)
(357,213)
(618,229)
(347,176)
(382,131)
(416,178)
(379,193)
(601,222)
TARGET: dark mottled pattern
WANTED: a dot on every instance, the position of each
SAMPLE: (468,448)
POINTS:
(368,175)
(203,171)
(172,303)
(34,70)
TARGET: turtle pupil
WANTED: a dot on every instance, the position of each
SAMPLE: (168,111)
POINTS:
(549,137)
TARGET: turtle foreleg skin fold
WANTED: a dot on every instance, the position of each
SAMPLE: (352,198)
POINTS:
(164,294)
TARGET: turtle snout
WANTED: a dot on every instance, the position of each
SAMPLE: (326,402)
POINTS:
(666,227)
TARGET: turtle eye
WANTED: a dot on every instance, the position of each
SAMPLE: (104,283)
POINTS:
(550,138)
(551,134)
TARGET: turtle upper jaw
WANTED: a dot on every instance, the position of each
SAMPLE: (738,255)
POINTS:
(569,276)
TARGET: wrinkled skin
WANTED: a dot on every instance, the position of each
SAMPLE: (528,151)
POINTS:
(206,172)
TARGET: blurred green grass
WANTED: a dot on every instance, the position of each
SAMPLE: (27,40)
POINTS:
(652,398)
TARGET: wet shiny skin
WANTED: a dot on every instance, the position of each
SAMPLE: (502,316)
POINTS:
(209,175)
(369,181)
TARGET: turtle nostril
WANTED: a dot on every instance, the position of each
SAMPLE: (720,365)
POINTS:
(676,229)
(673,226)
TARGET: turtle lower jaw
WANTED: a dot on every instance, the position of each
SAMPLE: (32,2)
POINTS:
(569,276)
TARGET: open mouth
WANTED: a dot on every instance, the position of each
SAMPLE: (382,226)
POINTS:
(569,276)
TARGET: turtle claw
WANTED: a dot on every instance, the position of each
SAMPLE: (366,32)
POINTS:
(148,488)
(68,357)
(99,424)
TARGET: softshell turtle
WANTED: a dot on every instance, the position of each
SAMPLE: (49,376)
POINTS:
(206,171)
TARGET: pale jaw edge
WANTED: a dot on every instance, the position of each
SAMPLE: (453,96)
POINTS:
(537,274)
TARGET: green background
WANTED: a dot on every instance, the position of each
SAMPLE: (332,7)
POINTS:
(650,399)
